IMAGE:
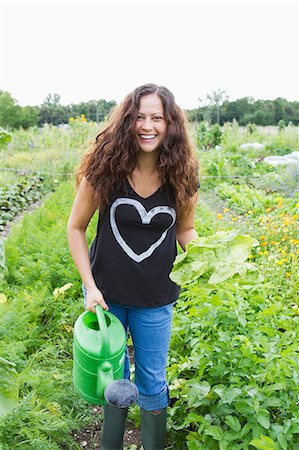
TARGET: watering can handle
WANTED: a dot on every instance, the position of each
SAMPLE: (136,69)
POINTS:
(103,329)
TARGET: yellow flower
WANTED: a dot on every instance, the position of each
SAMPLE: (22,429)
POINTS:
(268,209)
(234,219)
(288,274)
(225,210)
(219,216)
(263,237)
(264,244)
(279,199)
(68,328)
(280,262)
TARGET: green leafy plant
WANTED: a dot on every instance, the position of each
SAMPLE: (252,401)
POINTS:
(5,137)
(233,358)
(214,258)
(208,136)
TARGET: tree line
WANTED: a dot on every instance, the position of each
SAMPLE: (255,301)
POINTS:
(12,115)
(215,109)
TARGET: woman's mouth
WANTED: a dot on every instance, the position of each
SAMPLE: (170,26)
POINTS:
(147,137)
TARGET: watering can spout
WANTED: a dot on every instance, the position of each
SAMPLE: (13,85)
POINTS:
(105,377)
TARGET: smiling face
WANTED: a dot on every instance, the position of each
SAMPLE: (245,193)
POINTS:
(150,126)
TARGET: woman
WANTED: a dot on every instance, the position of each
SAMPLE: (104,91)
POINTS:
(142,176)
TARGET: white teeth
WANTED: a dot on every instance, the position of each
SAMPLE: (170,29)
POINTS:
(147,136)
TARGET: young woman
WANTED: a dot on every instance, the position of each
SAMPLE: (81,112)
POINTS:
(142,177)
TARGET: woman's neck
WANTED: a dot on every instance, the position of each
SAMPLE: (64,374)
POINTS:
(147,163)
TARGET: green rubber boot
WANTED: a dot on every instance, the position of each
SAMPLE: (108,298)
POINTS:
(114,427)
(153,429)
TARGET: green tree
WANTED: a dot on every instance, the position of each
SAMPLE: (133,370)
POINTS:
(51,111)
(215,100)
(29,116)
(10,111)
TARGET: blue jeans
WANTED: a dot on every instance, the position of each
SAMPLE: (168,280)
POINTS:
(150,329)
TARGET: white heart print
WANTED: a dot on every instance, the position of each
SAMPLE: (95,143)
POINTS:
(146,218)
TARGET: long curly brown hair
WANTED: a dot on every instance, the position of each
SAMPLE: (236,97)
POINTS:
(112,157)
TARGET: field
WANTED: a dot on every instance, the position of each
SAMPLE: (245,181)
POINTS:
(234,357)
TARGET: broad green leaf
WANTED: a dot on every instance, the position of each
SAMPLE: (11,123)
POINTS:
(247,427)
(244,406)
(215,431)
(264,443)
(263,419)
(193,444)
(233,422)
(231,436)
(224,445)
(272,401)
(229,394)
(197,393)
(5,137)
(219,257)
(187,273)
(282,441)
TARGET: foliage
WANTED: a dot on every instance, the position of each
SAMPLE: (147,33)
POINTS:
(16,197)
(247,110)
(9,389)
(234,355)
(213,259)
(5,137)
(14,116)
(36,330)
(208,136)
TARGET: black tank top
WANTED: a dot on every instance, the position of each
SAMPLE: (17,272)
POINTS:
(134,248)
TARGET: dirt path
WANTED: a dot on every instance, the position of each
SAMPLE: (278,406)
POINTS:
(89,438)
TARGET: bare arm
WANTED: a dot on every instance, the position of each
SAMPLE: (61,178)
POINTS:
(185,231)
(82,211)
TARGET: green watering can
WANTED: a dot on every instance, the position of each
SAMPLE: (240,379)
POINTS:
(99,355)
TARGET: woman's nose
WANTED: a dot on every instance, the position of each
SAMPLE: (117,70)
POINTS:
(147,124)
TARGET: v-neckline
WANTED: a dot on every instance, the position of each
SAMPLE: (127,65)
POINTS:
(140,196)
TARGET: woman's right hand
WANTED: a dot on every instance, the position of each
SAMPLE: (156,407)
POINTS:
(94,297)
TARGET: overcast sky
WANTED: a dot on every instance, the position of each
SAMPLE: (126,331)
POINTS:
(96,49)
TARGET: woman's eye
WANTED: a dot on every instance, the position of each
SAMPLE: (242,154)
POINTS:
(158,118)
